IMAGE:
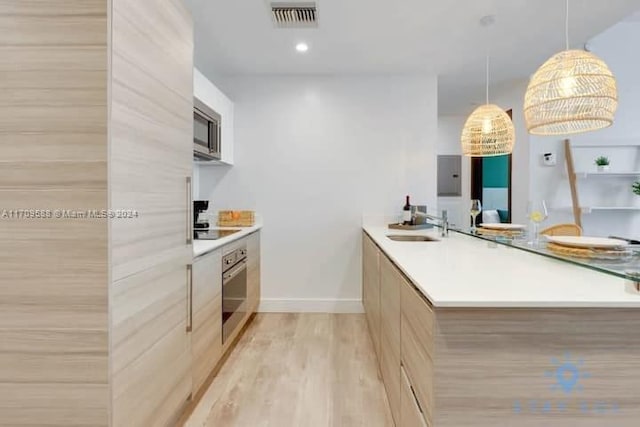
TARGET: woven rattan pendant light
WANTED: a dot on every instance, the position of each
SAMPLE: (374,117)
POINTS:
(573,92)
(488,131)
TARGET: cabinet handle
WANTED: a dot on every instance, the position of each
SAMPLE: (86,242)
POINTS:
(405,378)
(415,399)
(189,297)
(189,212)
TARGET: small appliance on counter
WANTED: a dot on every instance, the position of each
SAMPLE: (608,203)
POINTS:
(200,206)
(201,225)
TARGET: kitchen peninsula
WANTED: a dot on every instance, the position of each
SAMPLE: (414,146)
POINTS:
(470,333)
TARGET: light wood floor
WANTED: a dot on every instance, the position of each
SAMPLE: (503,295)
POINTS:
(298,370)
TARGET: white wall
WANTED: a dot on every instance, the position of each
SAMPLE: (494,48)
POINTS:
(618,48)
(509,95)
(449,130)
(312,155)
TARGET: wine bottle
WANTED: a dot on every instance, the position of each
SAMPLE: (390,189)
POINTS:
(406,213)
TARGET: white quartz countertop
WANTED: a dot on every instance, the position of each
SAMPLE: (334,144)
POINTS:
(462,271)
(201,247)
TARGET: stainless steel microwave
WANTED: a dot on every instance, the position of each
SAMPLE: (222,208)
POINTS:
(207,141)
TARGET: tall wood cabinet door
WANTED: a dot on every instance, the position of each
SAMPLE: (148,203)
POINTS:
(54,338)
(151,351)
(253,271)
(371,289)
(390,280)
(206,338)
(151,131)
(150,162)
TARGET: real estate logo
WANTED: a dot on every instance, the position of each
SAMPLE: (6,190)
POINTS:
(567,374)
(567,378)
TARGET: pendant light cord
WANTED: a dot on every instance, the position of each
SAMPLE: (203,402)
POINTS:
(487,82)
(566,26)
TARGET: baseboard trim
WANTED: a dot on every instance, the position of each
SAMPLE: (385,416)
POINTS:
(302,305)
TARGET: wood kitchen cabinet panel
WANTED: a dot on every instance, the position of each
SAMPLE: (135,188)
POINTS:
(54,339)
(150,159)
(151,131)
(253,271)
(417,346)
(371,289)
(96,114)
(390,282)
(410,412)
(206,337)
(471,366)
(150,349)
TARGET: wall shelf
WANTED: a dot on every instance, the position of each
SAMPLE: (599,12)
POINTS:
(606,146)
(577,208)
(590,209)
(608,174)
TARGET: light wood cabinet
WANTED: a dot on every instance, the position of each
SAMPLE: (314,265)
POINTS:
(410,412)
(206,337)
(390,282)
(406,329)
(151,128)
(417,347)
(253,271)
(150,161)
(402,324)
(54,351)
(464,366)
(371,289)
(150,349)
(96,115)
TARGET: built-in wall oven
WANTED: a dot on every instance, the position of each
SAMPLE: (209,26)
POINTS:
(207,144)
(234,290)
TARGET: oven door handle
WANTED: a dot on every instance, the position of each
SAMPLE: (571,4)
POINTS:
(229,275)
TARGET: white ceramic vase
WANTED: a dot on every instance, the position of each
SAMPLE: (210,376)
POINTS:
(603,168)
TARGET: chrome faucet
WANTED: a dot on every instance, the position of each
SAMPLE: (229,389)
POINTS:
(442,222)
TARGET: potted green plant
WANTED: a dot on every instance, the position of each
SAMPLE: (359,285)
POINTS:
(603,163)
(636,188)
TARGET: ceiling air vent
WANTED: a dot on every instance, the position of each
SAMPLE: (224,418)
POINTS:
(294,15)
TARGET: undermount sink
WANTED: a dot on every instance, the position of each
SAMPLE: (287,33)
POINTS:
(411,238)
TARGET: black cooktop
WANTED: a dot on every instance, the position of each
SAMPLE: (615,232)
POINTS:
(212,234)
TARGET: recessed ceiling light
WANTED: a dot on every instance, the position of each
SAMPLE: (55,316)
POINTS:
(302,47)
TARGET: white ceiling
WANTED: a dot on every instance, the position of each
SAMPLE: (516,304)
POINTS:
(399,36)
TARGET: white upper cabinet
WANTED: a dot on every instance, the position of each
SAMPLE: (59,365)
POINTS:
(213,97)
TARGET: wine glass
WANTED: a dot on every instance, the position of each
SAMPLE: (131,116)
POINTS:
(476,208)
(538,213)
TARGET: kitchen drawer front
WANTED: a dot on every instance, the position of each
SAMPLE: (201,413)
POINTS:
(390,281)
(207,279)
(410,412)
(390,370)
(206,300)
(418,315)
(253,271)
(371,289)
(206,342)
(417,346)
